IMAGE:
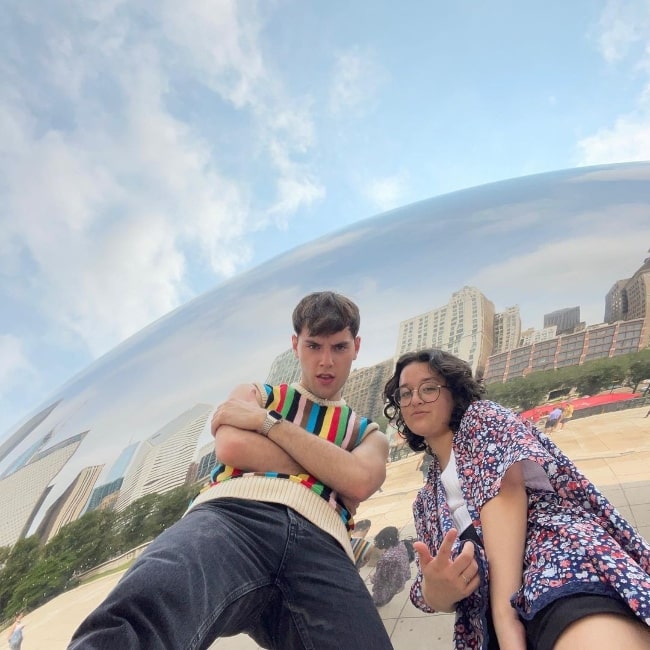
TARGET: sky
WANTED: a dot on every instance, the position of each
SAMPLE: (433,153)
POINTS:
(151,150)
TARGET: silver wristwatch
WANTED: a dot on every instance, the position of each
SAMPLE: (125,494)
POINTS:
(272,418)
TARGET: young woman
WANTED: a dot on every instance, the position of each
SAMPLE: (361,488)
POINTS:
(565,569)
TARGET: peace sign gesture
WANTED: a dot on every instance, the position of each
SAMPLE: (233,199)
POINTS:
(445,581)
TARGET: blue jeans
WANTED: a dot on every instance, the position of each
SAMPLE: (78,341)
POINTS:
(232,566)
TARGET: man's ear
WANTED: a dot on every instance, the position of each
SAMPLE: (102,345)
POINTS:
(357,345)
(294,345)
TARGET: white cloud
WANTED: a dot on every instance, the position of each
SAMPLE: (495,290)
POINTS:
(627,140)
(622,24)
(115,195)
(356,80)
(623,38)
(386,193)
(13,361)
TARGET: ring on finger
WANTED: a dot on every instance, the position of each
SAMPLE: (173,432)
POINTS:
(465,578)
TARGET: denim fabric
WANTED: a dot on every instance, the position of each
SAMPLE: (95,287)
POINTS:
(232,566)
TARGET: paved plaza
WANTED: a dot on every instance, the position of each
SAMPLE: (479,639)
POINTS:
(612,449)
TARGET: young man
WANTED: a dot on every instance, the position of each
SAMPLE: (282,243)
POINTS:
(265,549)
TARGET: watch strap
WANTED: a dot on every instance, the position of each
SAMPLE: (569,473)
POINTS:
(272,418)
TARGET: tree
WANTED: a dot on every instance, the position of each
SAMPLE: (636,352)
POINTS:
(639,370)
(23,556)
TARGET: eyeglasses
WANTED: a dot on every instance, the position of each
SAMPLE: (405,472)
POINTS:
(429,392)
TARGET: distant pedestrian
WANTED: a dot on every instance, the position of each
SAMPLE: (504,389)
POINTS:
(15,637)
(553,419)
(567,414)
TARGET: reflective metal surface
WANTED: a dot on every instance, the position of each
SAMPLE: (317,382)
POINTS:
(543,243)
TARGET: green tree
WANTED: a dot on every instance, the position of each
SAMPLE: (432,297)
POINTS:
(599,375)
(639,369)
(23,556)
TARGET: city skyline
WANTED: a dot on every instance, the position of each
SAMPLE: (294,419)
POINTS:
(395,265)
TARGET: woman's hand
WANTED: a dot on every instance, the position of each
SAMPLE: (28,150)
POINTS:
(445,581)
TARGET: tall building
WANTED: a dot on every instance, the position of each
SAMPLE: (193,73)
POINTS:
(464,327)
(115,478)
(507,330)
(23,492)
(595,342)
(285,369)
(565,320)
(16,438)
(531,335)
(201,468)
(364,387)
(630,298)
(162,461)
(70,505)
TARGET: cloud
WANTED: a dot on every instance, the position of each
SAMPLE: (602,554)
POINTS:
(621,26)
(356,80)
(627,141)
(388,192)
(623,38)
(13,361)
(113,194)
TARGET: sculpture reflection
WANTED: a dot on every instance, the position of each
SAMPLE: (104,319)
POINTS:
(473,272)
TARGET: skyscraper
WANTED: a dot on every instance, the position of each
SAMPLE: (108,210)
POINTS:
(464,327)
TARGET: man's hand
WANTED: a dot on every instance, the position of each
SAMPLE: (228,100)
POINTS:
(446,581)
(239,413)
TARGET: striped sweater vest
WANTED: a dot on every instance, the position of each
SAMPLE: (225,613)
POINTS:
(333,421)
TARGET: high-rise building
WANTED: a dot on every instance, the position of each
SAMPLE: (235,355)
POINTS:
(200,469)
(531,335)
(565,320)
(507,330)
(285,369)
(23,492)
(364,387)
(16,438)
(594,342)
(630,298)
(70,505)
(464,327)
(161,461)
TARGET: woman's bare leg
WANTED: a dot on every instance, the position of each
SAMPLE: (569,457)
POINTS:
(605,631)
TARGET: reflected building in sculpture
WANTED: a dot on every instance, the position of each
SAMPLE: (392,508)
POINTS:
(162,461)
(363,389)
(630,298)
(565,320)
(464,327)
(456,262)
(23,492)
(285,369)
(507,330)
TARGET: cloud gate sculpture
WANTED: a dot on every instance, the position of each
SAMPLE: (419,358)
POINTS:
(484,272)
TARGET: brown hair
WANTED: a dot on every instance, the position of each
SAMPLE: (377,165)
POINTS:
(324,313)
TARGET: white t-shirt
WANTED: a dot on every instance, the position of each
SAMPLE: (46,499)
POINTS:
(455,501)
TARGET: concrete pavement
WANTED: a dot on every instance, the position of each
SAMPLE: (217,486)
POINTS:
(612,449)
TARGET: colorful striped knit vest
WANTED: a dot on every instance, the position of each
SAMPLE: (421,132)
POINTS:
(333,421)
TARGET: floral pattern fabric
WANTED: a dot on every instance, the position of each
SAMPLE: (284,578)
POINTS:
(392,571)
(576,541)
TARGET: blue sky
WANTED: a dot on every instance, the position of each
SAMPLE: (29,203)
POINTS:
(149,151)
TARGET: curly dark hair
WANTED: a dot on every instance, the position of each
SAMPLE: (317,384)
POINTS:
(458,378)
(387,537)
